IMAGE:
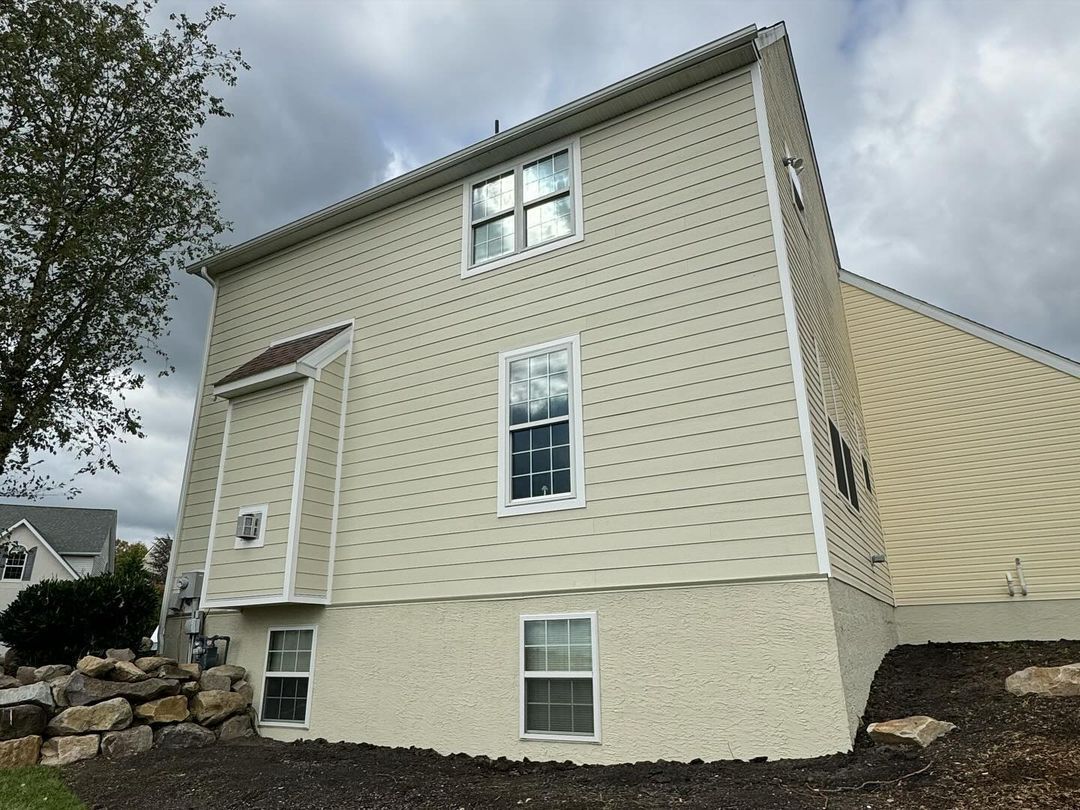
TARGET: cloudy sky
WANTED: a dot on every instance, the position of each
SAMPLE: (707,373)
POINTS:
(947,133)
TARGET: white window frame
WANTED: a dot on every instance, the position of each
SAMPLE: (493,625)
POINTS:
(310,675)
(262,509)
(521,251)
(22,568)
(594,738)
(575,498)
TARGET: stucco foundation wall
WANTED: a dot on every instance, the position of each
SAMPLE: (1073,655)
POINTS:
(711,672)
(1019,620)
(865,631)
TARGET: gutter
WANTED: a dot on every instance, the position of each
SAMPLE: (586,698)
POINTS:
(708,61)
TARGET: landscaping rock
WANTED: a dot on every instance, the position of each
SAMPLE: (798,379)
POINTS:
(58,690)
(65,750)
(233,673)
(20,753)
(153,662)
(40,694)
(236,727)
(22,721)
(1046,681)
(124,655)
(126,743)
(912,732)
(26,675)
(111,715)
(244,688)
(211,682)
(51,672)
(173,671)
(9,681)
(194,670)
(189,689)
(184,735)
(95,667)
(81,690)
(164,710)
(215,705)
(126,672)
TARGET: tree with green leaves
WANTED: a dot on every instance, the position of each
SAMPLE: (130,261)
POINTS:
(130,559)
(103,197)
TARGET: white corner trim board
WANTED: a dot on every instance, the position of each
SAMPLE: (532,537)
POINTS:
(802,403)
(1005,341)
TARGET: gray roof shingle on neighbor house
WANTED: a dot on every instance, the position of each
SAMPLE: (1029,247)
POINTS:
(282,354)
(68,529)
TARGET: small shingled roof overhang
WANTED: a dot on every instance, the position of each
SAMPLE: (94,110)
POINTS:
(283,361)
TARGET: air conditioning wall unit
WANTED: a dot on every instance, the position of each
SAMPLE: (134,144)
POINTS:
(248,525)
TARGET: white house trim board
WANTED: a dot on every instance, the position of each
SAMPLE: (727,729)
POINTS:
(787,294)
(45,543)
(1023,348)
(337,473)
(265,379)
(296,505)
(259,599)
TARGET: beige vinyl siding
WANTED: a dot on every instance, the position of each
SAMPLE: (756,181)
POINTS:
(260,465)
(851,536)
(692,454)
(978,458)
(316,515)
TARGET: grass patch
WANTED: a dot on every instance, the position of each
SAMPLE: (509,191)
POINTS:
(35,787)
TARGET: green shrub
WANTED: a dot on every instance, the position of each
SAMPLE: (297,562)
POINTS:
(58,621)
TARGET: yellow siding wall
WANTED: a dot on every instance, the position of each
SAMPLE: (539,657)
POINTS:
(692,452)
(316,516)
(852,537)
(260,463)
(978,458)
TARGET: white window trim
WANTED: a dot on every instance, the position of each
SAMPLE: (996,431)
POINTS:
(22,569)
(468,268)
(262,509)
(575,499)
(310,675)
(578,738)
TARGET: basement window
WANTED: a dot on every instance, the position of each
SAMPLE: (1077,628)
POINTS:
(290,662)
(522,208)
(560,685)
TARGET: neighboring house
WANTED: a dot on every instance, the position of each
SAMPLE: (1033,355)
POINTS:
(54,542)
(553,447)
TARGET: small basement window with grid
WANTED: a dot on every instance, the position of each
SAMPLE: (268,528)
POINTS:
(560,688)
(522,208)
(287,682)
(540,460)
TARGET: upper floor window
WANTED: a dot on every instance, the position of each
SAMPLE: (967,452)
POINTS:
(541,462)
(14,564)
(842,463)
(521,209)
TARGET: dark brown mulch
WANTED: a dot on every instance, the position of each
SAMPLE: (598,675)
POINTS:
(1008,752)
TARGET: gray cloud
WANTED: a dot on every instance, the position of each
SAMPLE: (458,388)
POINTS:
(945,134)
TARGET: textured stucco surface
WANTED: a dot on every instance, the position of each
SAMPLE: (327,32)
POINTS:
(994,621)
(865,631)
(712,672)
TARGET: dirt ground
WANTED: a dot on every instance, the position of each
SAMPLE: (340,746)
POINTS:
(1007,752)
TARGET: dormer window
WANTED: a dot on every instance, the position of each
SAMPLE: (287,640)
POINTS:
(522,209)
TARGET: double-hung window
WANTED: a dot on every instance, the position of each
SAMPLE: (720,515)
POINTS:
(560,683)
(843,465)
(519,209)
(541,459)
(290,661)
(14,564)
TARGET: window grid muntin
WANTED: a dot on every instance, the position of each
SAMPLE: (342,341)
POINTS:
(588,680)
(522,205)
(14,566)
(542,378)
(287,692)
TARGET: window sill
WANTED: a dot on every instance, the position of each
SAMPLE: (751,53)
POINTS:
(535,507)
(528,253)
(282,724)
(560,738)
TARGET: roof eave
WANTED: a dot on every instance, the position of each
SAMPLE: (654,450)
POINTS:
(701,64)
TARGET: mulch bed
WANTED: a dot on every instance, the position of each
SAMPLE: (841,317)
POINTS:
(1007,752)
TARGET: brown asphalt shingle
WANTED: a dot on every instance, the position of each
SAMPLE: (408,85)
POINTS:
(281,355)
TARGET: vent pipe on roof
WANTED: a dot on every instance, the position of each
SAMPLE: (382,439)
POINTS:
(496,126)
